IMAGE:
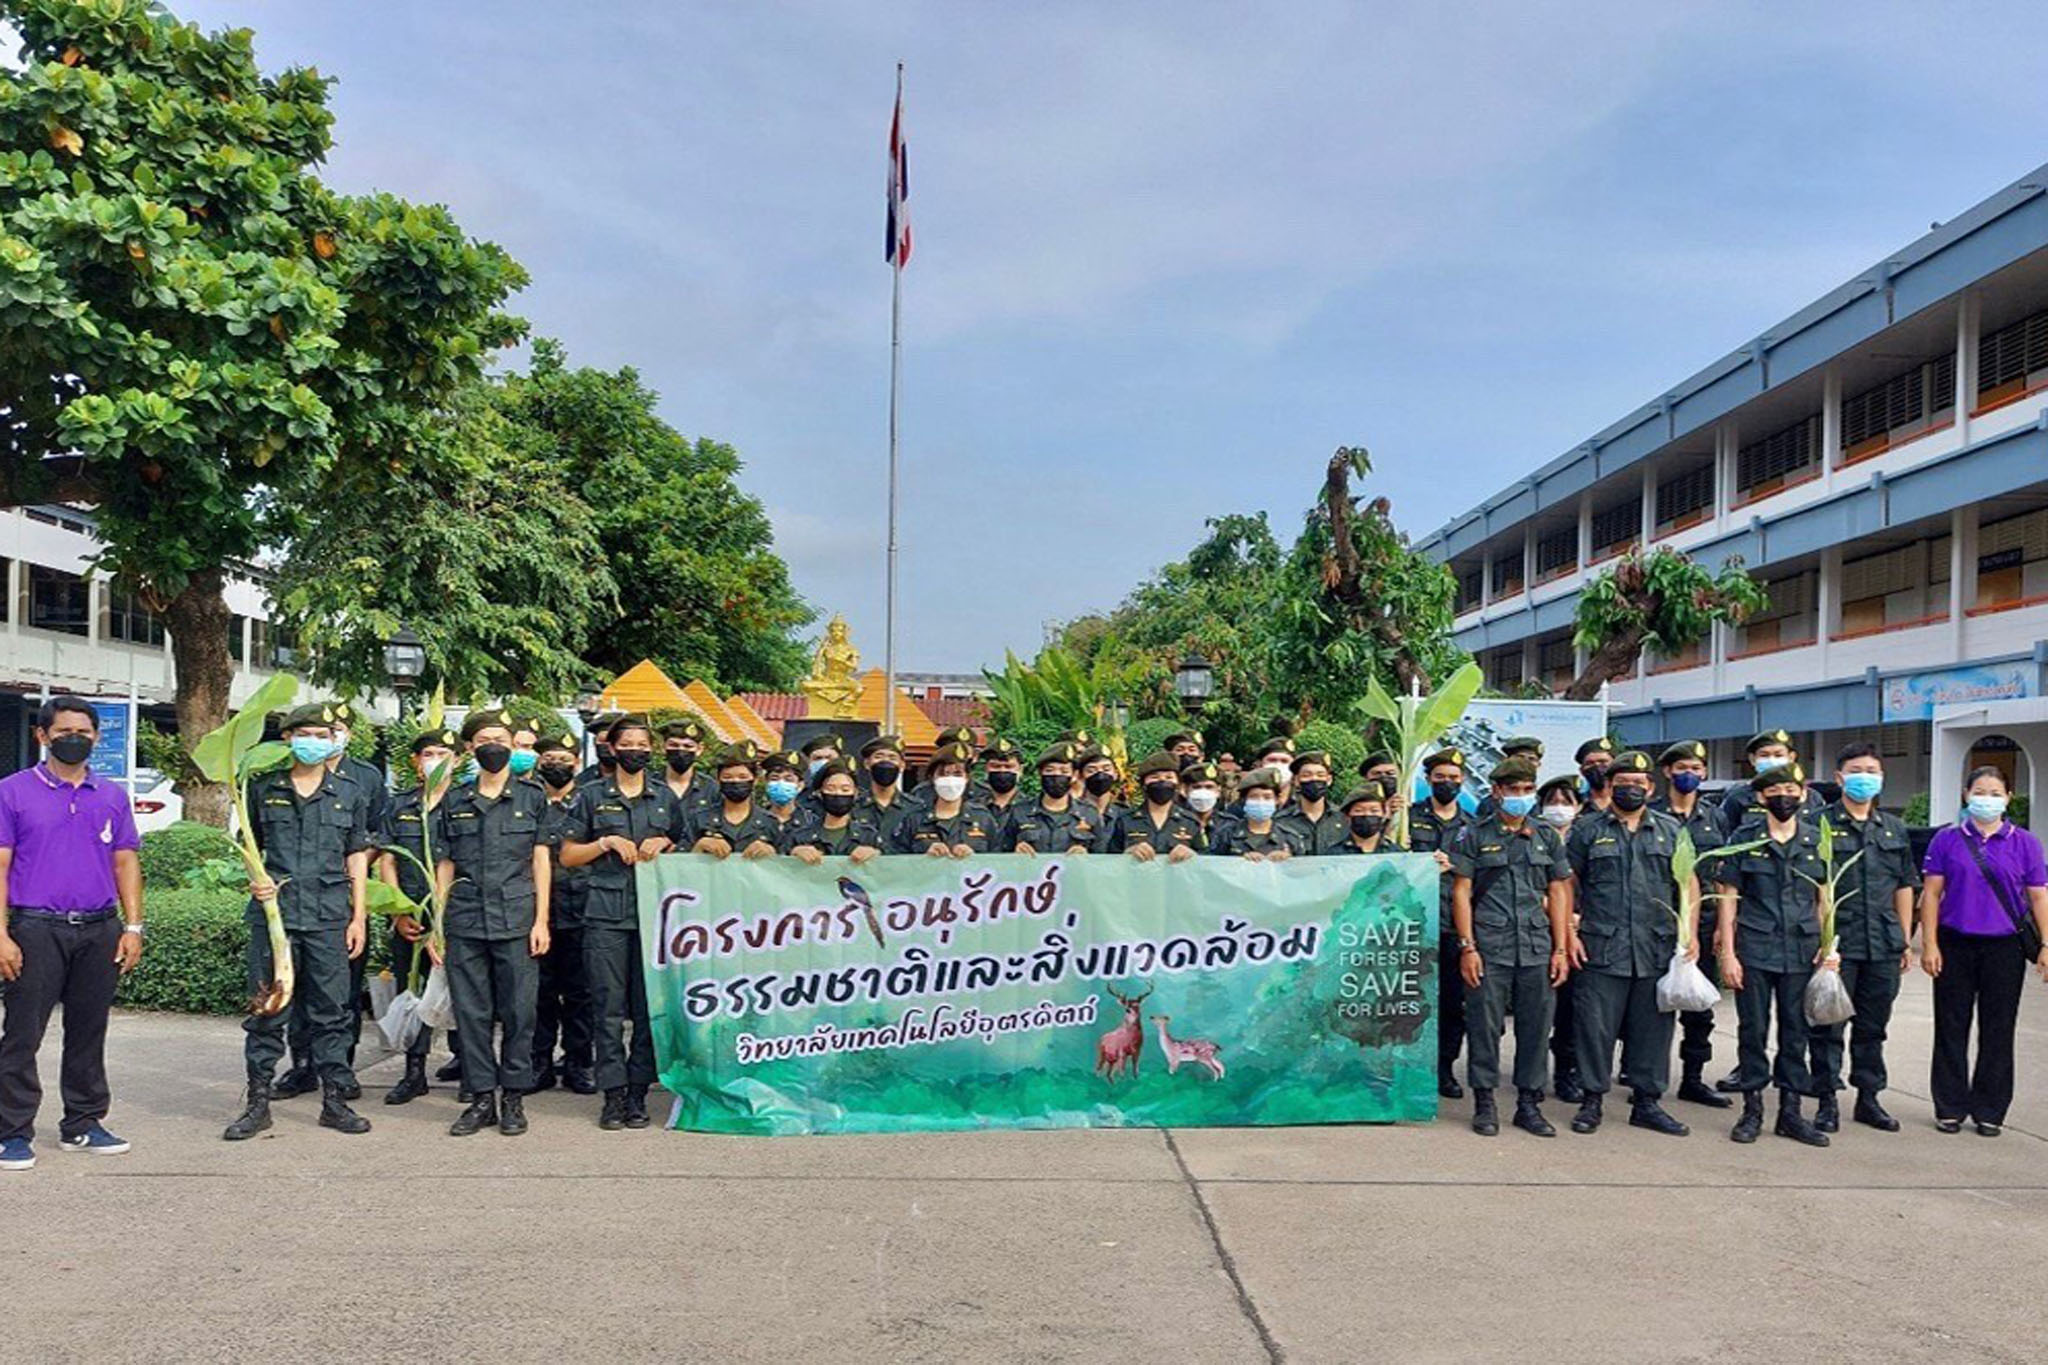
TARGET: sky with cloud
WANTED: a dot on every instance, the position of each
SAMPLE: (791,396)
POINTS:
(1168,255)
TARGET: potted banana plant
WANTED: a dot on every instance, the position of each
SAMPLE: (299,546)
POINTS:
(1417,723)
(1826,999)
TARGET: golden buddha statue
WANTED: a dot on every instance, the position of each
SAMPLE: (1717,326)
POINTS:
(834,683)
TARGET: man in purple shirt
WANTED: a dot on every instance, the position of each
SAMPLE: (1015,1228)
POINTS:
(70,927)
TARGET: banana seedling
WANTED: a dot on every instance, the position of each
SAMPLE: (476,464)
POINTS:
(1829,884)
(1417,723)
(1686,861)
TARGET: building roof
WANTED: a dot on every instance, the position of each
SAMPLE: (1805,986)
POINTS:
(917,720)
(777,707)
(642,688)
(729,725)
(946,712)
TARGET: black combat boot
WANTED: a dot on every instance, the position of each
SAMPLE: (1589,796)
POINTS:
(1485,1121)
(1729,1084)
(1827,1113)
(1529,1116)
(579,1080)
(335,1113)
(411,1085)
(351,1089)
(481,1114)
(1695,1090)
(256,1116)
(299,1080)
(613,1116)
(636,1107)
(1644,1112)
(1752,1121)
(1447,1086)
(1794,1125)
(1587,1120)
(1869,1111)
(512,1114)
(1569,1091)
(451,1070)
(543,1079)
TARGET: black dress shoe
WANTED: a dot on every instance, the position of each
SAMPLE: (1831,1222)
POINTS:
(1751,1124)
(612,1117)
(1793,1124)
(1869,1111)
(300,1080)
(1693,1090)
(579,1080)
(1827,1113)
(1989,1129)
(1485,1121)
(1529,1117)
(1728,1085)
(1948,1125)
(481,1114)
(1448,1088)
(1651,1115)
(1587,1120)
(512,1114)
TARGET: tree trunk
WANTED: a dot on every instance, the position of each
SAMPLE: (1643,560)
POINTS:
(1614,658)
(197,621)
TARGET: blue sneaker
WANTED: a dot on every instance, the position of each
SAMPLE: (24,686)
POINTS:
(17,1155)
(95,1140)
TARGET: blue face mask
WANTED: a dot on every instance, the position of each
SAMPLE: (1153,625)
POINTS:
(1685,783)
(781,791)
(1768,765)
(816,764)
(1261,809)
(1987,808)
(1862,786)
(522,761)
(1518,807)
(308,750)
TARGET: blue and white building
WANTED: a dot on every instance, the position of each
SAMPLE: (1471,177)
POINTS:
(1879,459)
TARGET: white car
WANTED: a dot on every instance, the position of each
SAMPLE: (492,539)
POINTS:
(157,806)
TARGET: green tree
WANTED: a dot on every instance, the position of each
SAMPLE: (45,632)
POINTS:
(701,590)
(1664,601)
(481,550)
(196,334)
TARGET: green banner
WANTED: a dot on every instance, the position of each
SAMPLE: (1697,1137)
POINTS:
(1009,991)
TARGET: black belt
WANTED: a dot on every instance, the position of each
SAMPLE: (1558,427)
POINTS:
(105,912)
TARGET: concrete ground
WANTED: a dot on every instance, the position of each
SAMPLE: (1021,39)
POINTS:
(1308,1244)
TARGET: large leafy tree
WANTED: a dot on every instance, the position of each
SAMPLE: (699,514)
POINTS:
(701,590)
(196,334)
(482,551)
(1664,601)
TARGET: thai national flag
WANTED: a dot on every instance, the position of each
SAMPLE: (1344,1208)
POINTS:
(897,251)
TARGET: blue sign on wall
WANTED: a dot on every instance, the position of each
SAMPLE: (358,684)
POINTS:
(110,755)
(1915,696)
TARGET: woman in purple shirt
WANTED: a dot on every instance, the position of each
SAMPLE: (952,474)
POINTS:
(1970,945)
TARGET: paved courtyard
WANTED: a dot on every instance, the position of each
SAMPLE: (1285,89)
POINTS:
(1306,1244)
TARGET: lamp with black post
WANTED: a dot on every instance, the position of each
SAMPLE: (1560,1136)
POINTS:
(405,661)
(1194,680)
(589,698)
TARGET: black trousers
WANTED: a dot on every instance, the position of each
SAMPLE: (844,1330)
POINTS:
(1564,1049)
(1450,1005)
(1696,1027)
(494,983)
(618,997)
(1872,987)
(1609,1009)
(320,966)
(1981,976)
(1528,991)
(61,964)
(300,1031)
(563,1009)
(1763,993)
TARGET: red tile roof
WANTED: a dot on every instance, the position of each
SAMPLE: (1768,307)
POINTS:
(778,706)
(950,711)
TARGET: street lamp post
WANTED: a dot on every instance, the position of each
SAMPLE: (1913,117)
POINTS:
(405,660)
(589,698)
(1194,680)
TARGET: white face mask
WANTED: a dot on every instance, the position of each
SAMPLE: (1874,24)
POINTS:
(1259,808)
(950,788)
(1201,800)
(1557,817)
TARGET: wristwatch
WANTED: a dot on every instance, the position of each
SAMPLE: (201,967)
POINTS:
(134,929)
(1466,945)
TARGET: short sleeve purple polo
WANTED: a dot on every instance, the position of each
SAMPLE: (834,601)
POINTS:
(64,838)
(1967,902)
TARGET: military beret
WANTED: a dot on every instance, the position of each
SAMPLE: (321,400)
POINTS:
(622,723)
(841,766)
(1681,751)
(1453,756)
(441,738)
(1790,772)
(1312,756)
(481,720)
(1364,791)
(311,713)
(1000,748)
(1512,770)
(817,742)
(953,753)
(1180,737)
(1568,784)
(1161,762)
(345,713)
(686,728)
(1634,761)
(956,734)
(1262,777)
(1201,770)
(893,743)
(1089,755)
(1602,745)
(1057,752)
(1278,744)
(1768,737)
(1080,739)
(745,754)
(783,760)
(1379,758)
(534,725)
(1522,744)
(564,743)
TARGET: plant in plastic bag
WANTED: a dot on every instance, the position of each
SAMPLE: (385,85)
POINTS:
(1417,723)
(1826,999)
(232,755)
(1684,986)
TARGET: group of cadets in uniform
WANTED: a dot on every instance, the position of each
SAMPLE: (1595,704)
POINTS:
(1556,900)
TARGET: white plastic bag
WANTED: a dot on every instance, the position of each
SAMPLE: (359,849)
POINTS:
(436,1009)
(1827,999)
(1685,987)
(399,1021)
(383,990)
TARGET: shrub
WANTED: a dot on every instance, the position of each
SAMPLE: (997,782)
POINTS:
(169,853)
(1144,738)
(1344,746)
(1915,813)
(194,959)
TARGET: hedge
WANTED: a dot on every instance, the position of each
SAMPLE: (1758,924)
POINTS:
(193,958)
(169,853)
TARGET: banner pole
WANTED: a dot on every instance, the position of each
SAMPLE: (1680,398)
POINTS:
(895,397)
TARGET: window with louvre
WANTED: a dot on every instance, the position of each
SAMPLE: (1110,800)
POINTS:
(1686,497)
(1769,464)
(1618,526)
(1557,656)
(1557,552)
(2013,360)
(1507,574)
(1470,583)
(1902,407)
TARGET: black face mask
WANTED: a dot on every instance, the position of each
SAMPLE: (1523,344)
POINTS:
(1445,792)
(557,774)
(633,760)
(1098,783)
(736,792)
(1161,793)
(681,760)
(71,749)
(604,756)
(1365,826)
(1001,780)
(1315,789)
(1595,775)
(885,774)
(492,758)
(1784,807)
(1630,798)
(1056,785)
(837,803)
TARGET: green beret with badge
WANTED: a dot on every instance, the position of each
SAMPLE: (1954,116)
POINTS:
(438,738)
(1302,760)
(1771,777)
(1512,770)
(893,743)
(564,743)
(1683,750)
(962,735)
(1000,748)
(311,713)
(1180,737)
(745,754)
(1455,757)
(1633,761)
(1201,770)
(1568,784)
(1057,752)
(1278,744)
(1766,739)
(1364,791)
(1602,745)
(841,766)
(1378,758)
(478,721)
(816,743)
(1522,745)
(783,760)
(953,753)
(687,727)
(623,722)
(1160,762)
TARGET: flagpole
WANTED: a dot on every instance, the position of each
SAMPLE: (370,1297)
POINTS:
(895,397)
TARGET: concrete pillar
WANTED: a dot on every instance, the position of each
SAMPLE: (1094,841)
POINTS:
(1585,528)
(1828,602)
(1724,474)
(1830,425)
(1649,502)
(17,575)
(1969,325)
(1962,574)
(1528,561)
